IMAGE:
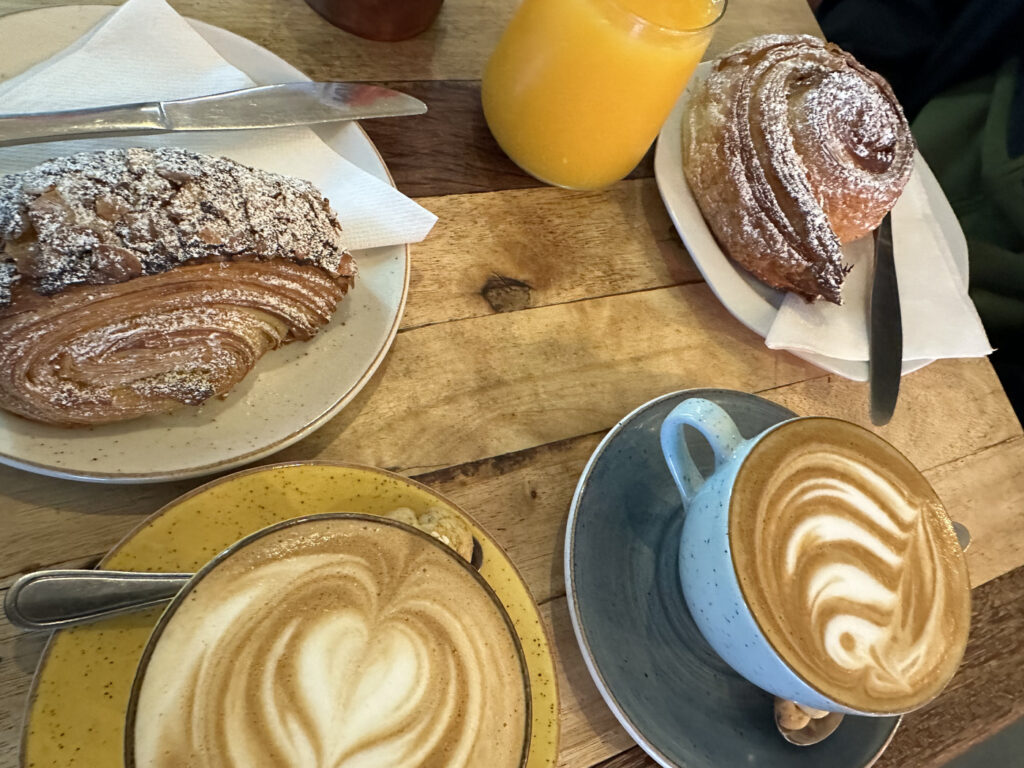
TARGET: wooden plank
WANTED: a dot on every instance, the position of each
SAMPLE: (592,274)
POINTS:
(542,375)
(19,656)
(631,758)
(48,521)
(985,695)
(19,653)
(456,47)
(590,732)
(523,499)
(942,408)
(746,18)
(985,492)
(530,248)
(468,160)
(535,377)
(983,698)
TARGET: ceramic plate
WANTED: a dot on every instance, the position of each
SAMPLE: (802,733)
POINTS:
(749,300)
(662,680)
(291,391)
(81,690)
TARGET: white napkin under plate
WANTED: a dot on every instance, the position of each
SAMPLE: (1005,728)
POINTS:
(939,318)
(145,51)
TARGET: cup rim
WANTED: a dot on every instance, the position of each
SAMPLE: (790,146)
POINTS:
(776,652)
(644,21)
(199,575)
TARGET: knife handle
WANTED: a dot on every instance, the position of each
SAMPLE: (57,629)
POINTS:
(99,122)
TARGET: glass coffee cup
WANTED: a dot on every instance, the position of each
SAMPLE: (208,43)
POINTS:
(819,563)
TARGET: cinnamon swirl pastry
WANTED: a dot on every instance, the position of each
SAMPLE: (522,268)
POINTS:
(793,148)
(135,281)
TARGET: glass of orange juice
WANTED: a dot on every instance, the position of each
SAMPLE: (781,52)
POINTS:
(577,90)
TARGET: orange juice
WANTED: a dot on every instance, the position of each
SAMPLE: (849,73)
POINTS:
(577,90)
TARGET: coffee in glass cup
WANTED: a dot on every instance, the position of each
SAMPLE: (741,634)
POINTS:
(332,640)
(819,563)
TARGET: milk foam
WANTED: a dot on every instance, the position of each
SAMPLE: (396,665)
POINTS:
(850,566)
(364,648)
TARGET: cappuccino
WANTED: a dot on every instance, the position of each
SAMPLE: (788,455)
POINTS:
(849,565)
(338,641)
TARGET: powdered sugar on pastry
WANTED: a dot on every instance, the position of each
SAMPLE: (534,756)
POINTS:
(792,148)
(135,281)
(106,217)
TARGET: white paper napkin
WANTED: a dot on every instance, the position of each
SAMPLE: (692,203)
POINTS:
(939,318)
(145,51)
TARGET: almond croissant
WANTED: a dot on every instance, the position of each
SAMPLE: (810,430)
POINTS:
(135,281)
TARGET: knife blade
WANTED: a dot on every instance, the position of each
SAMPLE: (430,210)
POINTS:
(885,341)
(268,106)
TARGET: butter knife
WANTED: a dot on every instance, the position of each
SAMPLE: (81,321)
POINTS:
(268,106)
(885,342)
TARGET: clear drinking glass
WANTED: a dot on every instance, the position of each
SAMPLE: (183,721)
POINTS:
(577,90)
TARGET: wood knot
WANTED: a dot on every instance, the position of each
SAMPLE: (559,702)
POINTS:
(506,294)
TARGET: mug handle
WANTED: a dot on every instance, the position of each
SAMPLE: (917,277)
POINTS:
(714,424)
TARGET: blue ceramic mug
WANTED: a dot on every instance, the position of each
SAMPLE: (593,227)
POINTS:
(710,585)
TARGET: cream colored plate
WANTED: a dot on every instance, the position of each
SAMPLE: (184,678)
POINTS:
(291,391)
(80,693)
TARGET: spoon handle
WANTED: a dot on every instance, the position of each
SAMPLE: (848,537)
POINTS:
(47,600)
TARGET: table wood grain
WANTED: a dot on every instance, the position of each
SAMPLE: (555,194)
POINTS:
(537,318)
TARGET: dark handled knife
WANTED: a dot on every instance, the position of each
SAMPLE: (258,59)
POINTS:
(885,341)
(269,106)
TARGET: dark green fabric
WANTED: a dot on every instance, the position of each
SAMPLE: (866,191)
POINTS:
(956,66)
(924,47)
(963,134)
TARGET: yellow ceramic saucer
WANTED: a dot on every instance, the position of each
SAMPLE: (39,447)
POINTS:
(80,695)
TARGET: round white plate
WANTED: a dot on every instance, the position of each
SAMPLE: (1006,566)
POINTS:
(749,300)
(291,391)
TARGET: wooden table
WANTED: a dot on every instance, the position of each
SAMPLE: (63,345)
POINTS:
(537,318)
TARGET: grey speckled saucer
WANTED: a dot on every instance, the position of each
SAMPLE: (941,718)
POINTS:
(666,686)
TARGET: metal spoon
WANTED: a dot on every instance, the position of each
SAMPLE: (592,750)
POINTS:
(813,732)
(48,600)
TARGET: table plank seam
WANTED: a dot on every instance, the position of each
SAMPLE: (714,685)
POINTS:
(634,755)
(976,452)
(612,294)
(503,463)
(446,472)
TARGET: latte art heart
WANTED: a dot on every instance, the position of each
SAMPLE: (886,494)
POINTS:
(360,645)
(850,565)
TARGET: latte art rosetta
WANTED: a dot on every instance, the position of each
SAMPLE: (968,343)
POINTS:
(851,570)
(858,600)
(343,648)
